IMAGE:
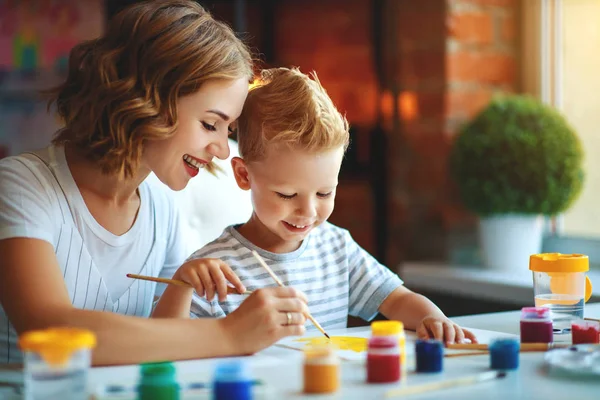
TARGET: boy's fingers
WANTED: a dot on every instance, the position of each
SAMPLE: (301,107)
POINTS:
(437,330)
(460,336)
(193,280)
(219,281)
(470,335)
(233,278)
(209,285)
(422,332)
(449,332)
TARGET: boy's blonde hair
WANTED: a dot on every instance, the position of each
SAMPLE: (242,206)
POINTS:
(288,107)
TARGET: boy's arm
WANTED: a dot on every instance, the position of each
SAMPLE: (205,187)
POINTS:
(409,307)
(175,302)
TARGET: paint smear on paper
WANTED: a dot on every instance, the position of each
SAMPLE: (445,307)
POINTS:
(357,344)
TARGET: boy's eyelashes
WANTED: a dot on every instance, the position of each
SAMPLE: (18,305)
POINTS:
(291,196)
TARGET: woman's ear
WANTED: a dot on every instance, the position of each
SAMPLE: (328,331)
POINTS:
(240,171)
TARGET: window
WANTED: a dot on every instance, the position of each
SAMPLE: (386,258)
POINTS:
(561,60)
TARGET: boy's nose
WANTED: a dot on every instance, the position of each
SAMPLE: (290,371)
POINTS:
(307,209)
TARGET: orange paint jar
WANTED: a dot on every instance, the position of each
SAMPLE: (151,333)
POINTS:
(321,369)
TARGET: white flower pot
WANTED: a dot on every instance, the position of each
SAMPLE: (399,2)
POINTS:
(508,240)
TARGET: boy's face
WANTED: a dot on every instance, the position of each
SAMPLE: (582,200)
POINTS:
(204,120)
(293,192)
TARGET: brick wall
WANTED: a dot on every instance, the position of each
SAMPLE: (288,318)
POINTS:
(446,57)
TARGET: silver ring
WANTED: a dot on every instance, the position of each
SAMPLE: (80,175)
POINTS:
(289,318)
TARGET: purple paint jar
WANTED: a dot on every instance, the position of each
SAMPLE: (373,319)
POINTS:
(536,325)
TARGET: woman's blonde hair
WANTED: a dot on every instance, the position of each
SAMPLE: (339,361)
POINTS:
(122,88)
(288,107)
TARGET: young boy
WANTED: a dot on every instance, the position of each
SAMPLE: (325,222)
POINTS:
(292,141)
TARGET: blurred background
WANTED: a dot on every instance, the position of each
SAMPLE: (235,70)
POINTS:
(408,75)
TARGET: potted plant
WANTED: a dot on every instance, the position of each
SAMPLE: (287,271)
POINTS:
(517,161)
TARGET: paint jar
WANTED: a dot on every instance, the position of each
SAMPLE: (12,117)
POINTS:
(321,369)
(157,382)
(560,283)
(583,332)
(56,363)
(232,380)
(383,360)
(536,325)
(504,354)
(430,355)
(393,329)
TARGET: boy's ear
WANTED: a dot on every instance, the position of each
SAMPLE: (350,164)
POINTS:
(240,171)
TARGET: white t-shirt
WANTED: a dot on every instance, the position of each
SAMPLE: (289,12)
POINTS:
(39,199)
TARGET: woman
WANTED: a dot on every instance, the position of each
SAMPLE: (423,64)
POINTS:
(157,93)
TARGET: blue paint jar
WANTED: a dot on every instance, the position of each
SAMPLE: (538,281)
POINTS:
(232,380)
(504,354)
(430,355)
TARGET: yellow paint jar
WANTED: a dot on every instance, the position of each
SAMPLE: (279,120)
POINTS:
(321,369)
(57,361)
(393,329)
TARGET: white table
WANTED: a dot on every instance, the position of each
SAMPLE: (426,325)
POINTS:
(281,369)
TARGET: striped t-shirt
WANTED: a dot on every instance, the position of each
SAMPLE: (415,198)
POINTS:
(336,274)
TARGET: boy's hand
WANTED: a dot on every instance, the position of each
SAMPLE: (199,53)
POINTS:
(443,329)
(207,276)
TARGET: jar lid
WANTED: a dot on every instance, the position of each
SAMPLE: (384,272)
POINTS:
(535,313)
(557,262)
(232,371)
(384,328)
(317,351)
(55,345)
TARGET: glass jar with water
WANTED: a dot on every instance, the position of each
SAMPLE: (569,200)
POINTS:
(560,283)
(56,363)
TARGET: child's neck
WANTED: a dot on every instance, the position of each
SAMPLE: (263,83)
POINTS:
(259,235)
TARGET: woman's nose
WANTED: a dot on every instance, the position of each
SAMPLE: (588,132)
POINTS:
(220,148)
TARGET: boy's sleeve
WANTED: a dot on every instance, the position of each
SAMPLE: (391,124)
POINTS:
(202,308)
(370,282)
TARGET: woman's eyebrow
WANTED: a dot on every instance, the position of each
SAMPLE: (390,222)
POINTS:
(221,114)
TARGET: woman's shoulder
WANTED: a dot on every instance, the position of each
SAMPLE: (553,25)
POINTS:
(27,171)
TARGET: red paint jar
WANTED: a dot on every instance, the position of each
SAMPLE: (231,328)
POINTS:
(585,332)
(536,325)
(383,360)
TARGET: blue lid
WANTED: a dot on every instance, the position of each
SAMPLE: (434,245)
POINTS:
(504,345)
(232,371)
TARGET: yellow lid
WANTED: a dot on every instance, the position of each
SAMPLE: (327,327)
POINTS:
(384,328)
(557,262)
(318,350)
(55,345)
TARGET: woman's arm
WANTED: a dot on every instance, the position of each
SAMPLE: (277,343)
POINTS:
(34,296)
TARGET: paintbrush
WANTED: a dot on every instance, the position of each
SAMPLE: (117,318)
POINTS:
(525,347)
(230,290)
(266,267)
(449,383)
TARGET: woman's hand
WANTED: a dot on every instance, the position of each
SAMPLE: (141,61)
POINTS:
(265,317)
(207,276)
